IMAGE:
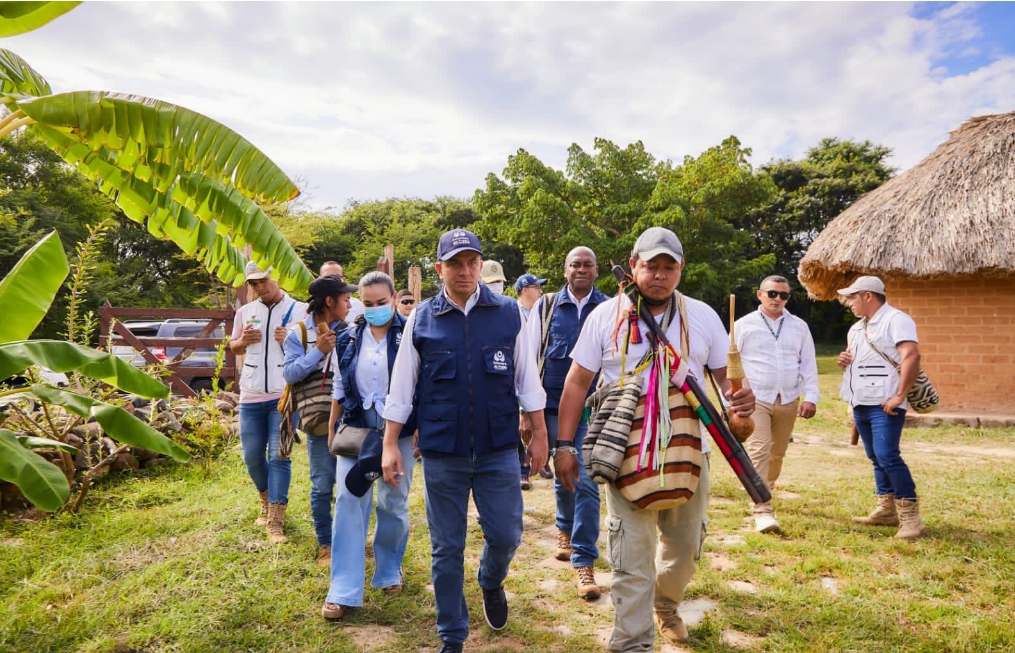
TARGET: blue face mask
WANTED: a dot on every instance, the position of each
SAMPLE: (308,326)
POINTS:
(378,315)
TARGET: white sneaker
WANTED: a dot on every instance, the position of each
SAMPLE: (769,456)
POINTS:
(766,524)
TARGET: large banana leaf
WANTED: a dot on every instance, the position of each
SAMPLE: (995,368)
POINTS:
(30,287)
(193,180)
(20,17)
(116,422)
(40,480)
(16,76)
(62,356)
(33,442)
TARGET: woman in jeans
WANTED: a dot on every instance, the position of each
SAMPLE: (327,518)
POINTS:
(329,304)
(364,355)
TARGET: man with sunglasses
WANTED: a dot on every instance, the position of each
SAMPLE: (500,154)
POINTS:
(777,351)
(405,302)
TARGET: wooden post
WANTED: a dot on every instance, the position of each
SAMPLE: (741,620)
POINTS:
(415,282)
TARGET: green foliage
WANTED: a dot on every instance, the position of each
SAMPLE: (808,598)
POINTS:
(31,287)
(20,17)
(40,481)
(605,199)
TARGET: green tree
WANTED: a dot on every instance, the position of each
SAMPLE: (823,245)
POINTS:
(606,198)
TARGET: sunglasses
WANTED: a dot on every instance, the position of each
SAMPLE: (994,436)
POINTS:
(407,302)
(772,294)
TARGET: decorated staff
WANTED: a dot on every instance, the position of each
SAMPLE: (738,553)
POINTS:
(741,427)
(696,396)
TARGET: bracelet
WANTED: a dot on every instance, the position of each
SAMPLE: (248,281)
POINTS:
(570,450)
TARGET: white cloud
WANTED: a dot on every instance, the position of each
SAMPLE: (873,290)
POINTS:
(392,99)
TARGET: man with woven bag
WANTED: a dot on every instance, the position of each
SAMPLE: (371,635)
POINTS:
(879,368)
(649,580)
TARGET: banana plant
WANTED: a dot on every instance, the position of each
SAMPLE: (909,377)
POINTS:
(186,177)
(26,294)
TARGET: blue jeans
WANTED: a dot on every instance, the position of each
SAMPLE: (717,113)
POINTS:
(881,434)
(322,485)
(352,521)
(577,512)
(493,481)
(259,438)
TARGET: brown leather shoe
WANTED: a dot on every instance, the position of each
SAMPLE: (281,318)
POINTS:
(564,549)
(585,579)
(672,627)
(333,611)
(324,556)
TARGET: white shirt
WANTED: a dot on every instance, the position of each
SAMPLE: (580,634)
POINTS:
(783,366)
(355,310)
(371,372)
(595,350)
(405,373)
(870,379)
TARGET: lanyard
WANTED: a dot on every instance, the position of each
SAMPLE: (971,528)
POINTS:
(775,334)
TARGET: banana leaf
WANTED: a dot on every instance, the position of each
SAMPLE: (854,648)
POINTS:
(116,422)
(16,76)
(62,356)
(33,442)
(20,17)
(29,289)
(40,481)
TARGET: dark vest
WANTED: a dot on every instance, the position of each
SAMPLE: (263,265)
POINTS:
(347,344)
(565,326)
(466,387)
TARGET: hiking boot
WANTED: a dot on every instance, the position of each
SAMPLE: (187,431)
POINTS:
(585,579)
(910,526)
(450,647)
(672,627)
(332,611)
(324,556)
(564,549)
(495,608)
(276,523)
(765,523)
(884,515)
(262,519)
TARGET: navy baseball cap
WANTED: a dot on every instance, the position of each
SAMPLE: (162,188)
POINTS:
(527,280)
(368,464)
(455,241)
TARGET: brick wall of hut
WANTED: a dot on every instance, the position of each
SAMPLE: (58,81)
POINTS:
(966,328)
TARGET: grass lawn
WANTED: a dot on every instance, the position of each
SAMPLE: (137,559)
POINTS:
(171,562)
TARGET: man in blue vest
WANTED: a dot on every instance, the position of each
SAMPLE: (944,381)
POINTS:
(466,354)
(555,322)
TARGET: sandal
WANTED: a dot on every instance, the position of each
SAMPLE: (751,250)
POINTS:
(332,611)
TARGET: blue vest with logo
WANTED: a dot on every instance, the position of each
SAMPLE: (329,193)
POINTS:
(347,346)
(565,326)
(466,388)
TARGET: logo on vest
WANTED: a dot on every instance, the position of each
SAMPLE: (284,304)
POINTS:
(499,361)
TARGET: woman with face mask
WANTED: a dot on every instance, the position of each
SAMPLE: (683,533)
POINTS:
(364,355)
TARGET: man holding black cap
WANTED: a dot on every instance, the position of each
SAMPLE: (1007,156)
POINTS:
(554,324)
(653,553)
(529,289)
(884,338)
(466,354)
(258,329)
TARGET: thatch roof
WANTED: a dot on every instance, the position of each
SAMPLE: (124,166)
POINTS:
(951,214)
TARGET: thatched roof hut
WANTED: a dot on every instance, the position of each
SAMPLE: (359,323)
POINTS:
(952,214)
(942,236)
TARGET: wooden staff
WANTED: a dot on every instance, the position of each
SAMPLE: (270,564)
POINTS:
(741,427)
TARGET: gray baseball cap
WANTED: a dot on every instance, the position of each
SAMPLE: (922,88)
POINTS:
(658,240)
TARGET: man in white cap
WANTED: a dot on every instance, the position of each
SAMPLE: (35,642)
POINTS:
(880,366)
(653,553)
(493,276)
(258,330)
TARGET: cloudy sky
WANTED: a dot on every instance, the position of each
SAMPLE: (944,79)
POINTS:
(374,100)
